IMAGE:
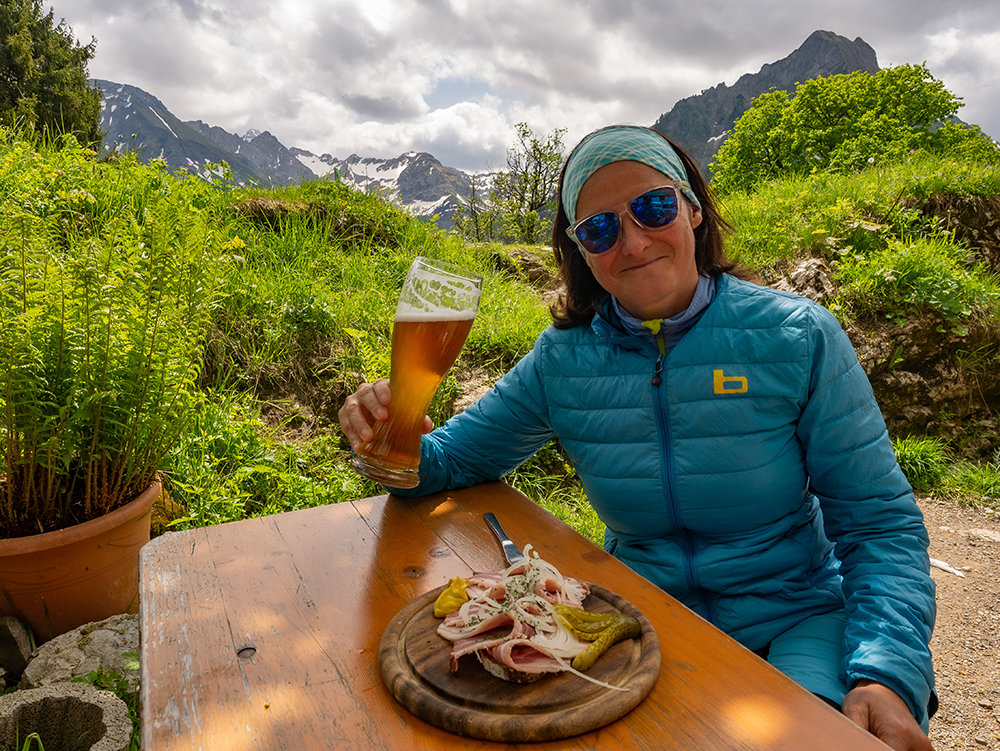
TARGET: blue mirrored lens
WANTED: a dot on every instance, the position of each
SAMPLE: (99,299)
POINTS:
(655,209)
(598,233)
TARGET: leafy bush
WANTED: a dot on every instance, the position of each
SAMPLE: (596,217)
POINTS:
(905,278)
(104,305)
(846,123)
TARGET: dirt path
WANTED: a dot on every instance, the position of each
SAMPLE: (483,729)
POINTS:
(966,642)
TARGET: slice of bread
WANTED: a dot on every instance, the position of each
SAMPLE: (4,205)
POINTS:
(508,673)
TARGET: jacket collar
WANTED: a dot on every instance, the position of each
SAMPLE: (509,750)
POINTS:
(608,324)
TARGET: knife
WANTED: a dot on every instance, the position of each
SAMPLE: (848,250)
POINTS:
(509,548)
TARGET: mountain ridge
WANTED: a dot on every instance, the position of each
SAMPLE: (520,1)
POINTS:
(137,121)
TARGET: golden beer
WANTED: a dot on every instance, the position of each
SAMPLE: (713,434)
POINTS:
(433,319)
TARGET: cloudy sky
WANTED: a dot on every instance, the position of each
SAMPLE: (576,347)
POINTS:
(452,77)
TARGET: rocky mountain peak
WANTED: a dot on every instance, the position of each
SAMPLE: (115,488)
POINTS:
(700,123)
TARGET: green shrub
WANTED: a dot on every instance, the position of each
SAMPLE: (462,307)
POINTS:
(227,466)
(909,277)
(924,461)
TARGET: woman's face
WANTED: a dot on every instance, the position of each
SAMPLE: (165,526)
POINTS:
(651,272)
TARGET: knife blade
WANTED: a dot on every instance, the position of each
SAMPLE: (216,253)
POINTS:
(510,550)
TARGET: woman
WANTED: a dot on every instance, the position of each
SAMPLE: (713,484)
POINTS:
(725,433)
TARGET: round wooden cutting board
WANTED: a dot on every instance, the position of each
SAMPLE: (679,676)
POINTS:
(414,662)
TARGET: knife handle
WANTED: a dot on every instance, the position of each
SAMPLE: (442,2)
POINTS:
(510,550)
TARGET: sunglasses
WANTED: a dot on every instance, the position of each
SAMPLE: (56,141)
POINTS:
(601,232)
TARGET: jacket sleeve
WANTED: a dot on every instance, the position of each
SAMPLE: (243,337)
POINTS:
(872,518)
(495,435)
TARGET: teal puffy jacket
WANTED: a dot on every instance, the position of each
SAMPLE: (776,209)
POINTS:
(748,473)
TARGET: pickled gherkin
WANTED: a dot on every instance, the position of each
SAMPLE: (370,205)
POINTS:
(601,629)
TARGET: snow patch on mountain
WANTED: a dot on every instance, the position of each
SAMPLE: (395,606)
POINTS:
(136,121)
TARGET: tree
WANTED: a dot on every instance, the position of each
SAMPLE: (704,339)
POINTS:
(843,123)
(476,219)
(43,75)
(524,195)
(521,201)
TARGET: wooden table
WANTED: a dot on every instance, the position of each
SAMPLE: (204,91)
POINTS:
(264,634)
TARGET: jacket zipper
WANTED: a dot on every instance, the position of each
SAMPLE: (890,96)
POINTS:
(670,486)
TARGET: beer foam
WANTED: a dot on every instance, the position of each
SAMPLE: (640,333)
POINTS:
(406,313)
(433,297)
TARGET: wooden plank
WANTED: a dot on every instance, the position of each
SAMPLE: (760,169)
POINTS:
(367,565)
(191,693)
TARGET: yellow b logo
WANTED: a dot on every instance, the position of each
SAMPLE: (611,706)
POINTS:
(729,384)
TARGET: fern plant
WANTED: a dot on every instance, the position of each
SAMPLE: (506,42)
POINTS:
(104,312)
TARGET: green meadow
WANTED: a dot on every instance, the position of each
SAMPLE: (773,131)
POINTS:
(301,284)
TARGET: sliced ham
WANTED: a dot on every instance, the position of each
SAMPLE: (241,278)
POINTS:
(509,623)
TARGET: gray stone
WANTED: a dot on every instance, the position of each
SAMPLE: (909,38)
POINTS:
(78,652)
(15,645)
(66,715)
(985,534)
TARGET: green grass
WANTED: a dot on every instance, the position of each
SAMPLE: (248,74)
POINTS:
(924,461)
(887,257)
(905,278)
(973,484)
(32,741)
(311,273)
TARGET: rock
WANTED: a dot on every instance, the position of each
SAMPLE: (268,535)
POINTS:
(78,652)
(520,263)
(927,382)
(66,715)
(984,534)
(15,645)
(809,278)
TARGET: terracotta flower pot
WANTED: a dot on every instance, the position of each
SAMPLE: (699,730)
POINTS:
(60,580)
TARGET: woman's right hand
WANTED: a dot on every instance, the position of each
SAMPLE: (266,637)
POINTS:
(362,408)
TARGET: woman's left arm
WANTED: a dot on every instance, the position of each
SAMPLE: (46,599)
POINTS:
(872,518)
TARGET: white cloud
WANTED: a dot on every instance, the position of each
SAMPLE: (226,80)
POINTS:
(969,62)
(452,77)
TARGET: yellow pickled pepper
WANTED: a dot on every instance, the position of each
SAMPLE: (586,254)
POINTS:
(452,597)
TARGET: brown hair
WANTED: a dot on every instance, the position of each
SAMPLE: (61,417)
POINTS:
(578,304)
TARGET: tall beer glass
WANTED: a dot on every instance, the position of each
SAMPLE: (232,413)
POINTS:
(433,317)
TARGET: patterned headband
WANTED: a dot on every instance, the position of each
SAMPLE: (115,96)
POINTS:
(621,143)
